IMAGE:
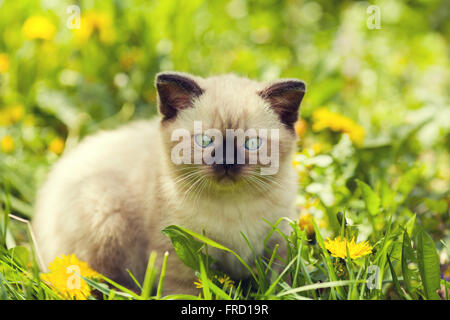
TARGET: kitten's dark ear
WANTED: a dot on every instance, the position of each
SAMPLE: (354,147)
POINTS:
(176,92)
(284,97)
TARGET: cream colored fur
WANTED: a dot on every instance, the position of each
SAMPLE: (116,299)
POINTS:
(108,199)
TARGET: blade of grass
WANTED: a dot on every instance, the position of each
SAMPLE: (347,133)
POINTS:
(162,276)
(104,289)
(205,282)
(350,270)
(34,248)
(219,246)
(274,284)
(331,271)
(272,258)
(134,279)
(149,277)
(180,297)
(394,278)
(120,287)
(331,284)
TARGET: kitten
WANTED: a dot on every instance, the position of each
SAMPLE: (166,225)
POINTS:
(108,199)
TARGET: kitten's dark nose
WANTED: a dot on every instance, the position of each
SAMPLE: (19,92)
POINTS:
(227,169)
(230,165)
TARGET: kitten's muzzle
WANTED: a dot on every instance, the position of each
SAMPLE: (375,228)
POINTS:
(228,168)
(225,170)
(231,164)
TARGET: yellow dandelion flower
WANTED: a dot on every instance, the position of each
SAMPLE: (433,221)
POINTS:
(338,248)
(447,272)
(56,145)
(300,127)
(311,203)
(198,284)
(356,134)
(7,144)
(39,27)
(323,224)
(12,114)
(64,277)
(95,22)
(326,119)
(16,112)
(4,62)
(317,147)
(225,281)
(306,223)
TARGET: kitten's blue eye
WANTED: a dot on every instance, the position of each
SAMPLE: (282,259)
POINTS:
(203,140)
(253,144)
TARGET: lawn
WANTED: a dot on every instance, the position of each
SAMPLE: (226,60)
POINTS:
(374,135)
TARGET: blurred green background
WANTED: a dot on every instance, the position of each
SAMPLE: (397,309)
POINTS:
(59,83)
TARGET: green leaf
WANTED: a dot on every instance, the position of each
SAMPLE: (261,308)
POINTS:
(3,291)
(220,293)
(105,289)
(410,225)
(394,278)
(408,257)
(331,284)
(439,206)
(149,276)
(162,276)
(179,233)
(407,182)
(387,195)
(186,247)
(428,260)
(18,205)
(371,199)
(205,282)
(275,283)
(331,272)
(20,254)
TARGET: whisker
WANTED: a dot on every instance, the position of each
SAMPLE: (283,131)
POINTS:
(185,176)
(187,193)
(200,190)
(257,184)
(270,179)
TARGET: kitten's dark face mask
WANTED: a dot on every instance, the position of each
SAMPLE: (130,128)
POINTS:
(236,155)
(237,147)
(227,159)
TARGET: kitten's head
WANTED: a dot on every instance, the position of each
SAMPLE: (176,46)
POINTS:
(227,133)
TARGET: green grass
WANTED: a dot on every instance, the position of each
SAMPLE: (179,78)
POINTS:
(309,271)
